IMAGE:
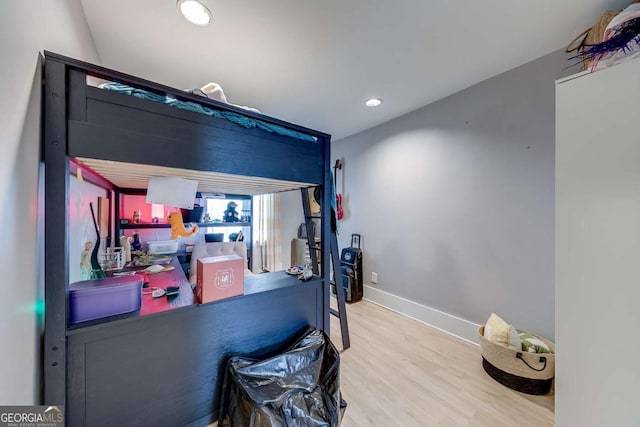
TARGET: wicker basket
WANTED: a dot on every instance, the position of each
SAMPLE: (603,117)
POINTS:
(530,373)
(592,35)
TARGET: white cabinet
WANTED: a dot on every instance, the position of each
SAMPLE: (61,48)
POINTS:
(598,248)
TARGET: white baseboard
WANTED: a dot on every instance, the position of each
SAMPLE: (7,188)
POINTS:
(448,323)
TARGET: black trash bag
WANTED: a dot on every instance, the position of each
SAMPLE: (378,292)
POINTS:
(297,388)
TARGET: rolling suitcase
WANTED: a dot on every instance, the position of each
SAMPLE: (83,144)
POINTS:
(351,269)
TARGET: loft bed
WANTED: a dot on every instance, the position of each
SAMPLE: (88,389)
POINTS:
(165,367)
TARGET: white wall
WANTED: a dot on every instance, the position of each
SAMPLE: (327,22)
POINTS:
(291,217)
(81,229)
(26,27)
(455,201)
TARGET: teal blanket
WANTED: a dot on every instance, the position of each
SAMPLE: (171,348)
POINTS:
(236,118)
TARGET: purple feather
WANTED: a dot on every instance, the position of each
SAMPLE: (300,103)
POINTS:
(624,37)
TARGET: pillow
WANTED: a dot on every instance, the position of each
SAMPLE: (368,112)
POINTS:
(499,332)
(533,344)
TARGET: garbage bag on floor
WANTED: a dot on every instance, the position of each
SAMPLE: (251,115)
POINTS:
(299,387)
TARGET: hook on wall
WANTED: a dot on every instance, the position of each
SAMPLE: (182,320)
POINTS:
(338,165)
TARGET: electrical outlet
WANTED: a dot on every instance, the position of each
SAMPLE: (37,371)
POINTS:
(374,277)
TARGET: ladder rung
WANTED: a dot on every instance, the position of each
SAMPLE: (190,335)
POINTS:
(334,312)
(315,248)
(313,216)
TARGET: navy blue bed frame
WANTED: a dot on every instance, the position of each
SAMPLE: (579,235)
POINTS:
(164,369)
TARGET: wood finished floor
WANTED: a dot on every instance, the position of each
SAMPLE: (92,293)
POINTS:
(400,372)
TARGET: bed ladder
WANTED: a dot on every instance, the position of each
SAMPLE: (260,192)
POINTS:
(341,312)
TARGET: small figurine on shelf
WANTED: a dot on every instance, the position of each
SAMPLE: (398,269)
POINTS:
(231,214)
(137,244)
(206,218)
(85,261)
(135,218)
(307,271)
(125,242)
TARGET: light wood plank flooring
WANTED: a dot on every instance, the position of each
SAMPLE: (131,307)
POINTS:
(400,372)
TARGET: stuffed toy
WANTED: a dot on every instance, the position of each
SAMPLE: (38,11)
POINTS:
(177,226)
(214,91)
(231,215)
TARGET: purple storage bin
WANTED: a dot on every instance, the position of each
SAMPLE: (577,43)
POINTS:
(94,299)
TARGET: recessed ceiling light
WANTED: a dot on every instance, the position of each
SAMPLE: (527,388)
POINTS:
(195,12)
(373,102)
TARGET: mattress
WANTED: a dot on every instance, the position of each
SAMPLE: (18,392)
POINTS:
(239,119)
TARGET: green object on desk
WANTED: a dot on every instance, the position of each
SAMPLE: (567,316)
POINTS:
(96,270)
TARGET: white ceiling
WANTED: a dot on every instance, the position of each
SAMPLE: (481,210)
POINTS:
(315,62)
